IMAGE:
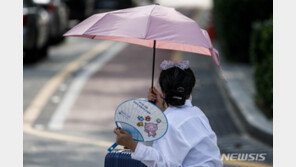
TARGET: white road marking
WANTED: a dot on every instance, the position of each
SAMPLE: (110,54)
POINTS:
(59,116)
(44,95)
(66,138)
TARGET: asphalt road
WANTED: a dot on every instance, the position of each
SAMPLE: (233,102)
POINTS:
(70,98)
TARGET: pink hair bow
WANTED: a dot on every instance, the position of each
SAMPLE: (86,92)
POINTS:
(166,64)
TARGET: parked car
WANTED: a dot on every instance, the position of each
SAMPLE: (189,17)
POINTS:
(80,9)
(35,30)
(113,4)
(58,17)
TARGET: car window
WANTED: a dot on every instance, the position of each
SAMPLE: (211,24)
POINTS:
(28,3)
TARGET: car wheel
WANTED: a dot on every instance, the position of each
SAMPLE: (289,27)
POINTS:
(61,39)
(30,56)
(43,52)
(57,40)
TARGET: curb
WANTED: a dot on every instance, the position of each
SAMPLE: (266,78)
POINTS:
(239,88)
(254,122)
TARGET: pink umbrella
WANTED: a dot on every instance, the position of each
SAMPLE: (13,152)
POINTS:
(153,26)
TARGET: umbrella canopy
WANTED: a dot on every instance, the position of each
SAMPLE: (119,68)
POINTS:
(152,26)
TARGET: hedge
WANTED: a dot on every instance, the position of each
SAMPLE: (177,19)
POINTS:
(261,51)
(233,25)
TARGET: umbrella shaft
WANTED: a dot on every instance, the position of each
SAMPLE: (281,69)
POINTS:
(153,63)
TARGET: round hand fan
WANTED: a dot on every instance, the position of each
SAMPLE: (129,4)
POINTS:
(142,119)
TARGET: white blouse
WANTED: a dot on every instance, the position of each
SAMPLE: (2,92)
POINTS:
(189,141)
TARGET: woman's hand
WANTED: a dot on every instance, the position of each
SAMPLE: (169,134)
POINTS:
(125,139)
(156,97)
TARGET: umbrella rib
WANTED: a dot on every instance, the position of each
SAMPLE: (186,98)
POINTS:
(94,24)
(148,22)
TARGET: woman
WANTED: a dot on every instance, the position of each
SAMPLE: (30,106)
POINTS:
(189,140)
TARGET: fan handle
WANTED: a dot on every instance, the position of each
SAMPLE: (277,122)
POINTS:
(112,147)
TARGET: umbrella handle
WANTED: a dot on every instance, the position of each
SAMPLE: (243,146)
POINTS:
(153,63)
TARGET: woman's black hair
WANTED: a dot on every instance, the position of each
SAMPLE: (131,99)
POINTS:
(177,85)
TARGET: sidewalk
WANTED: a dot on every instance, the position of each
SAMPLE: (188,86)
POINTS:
(241,91)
